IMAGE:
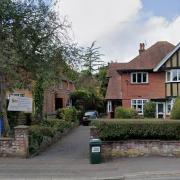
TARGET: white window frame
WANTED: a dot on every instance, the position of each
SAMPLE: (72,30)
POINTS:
(136,73)
(171,73)
(171,103)
(109,106)
(136,104)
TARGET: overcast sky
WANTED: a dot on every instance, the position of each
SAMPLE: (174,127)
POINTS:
(119,26)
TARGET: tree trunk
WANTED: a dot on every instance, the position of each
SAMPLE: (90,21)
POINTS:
(3,105)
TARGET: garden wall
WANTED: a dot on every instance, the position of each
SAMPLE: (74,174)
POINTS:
(17,146)
(135,148)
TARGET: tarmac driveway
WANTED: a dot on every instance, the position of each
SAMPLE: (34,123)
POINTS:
(73,147)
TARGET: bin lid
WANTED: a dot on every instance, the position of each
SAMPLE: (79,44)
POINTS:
(95,141)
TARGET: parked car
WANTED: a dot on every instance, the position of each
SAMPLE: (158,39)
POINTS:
(88,116)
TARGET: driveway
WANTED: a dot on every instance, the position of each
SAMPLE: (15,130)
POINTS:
(68,159)
(73,147)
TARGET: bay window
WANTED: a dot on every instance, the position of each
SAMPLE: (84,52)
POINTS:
(173,75)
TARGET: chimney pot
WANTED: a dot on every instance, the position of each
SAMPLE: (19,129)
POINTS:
(141,48)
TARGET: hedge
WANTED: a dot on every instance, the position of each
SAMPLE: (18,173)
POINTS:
(47,129)
(110,130)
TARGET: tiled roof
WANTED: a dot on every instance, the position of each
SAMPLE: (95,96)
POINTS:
(114,87)
(147,60)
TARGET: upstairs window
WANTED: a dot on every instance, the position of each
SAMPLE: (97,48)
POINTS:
(173,75)
(139,77)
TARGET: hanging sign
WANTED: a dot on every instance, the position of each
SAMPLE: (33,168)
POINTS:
(17,103)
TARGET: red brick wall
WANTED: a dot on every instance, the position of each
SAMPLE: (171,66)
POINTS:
(50,95)
(153,90)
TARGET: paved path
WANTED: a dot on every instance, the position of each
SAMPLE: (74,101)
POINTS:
(68,159)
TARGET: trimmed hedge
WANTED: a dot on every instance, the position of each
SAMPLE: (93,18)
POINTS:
(125,113)
(110,130)
(47,129)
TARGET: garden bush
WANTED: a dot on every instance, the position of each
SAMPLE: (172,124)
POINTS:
(125,113)
(175,113)
(67,114)
(138,129)
(47,129)
(149,109)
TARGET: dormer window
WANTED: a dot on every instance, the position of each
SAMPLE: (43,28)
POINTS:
(139,77)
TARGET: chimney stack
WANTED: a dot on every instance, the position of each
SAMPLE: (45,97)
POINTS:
(141,48)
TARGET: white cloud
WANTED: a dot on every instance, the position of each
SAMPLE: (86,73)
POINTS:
(93,18)
(118,26)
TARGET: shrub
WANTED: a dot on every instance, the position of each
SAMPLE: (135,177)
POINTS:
(138,129)
(175,113)
(35,138)
(67,114)
(125,113)
(57,125)
(47,129)
(149,109)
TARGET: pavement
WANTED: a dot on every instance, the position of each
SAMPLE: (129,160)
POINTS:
(68,159)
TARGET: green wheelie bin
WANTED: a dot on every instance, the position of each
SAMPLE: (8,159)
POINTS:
(95,151)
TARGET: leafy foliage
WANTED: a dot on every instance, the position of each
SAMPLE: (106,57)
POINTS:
(86,100)
(67,114)
(38,94)
(92,58)
(47,129)
(138,129)
(102,78)
(33,46)
(125,113)
(150,109)
(175,113)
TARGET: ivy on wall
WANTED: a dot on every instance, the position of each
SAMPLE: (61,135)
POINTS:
(38,96)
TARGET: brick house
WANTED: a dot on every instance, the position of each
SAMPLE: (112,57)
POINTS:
(55,97)
(153,75)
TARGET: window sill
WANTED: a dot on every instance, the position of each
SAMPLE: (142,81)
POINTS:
(139,83)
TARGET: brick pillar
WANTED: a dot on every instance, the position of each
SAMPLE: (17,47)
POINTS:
(22,141)
(94,132)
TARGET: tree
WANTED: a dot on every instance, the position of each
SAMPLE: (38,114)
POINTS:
(31,46)
(92,58)
(84,99)
(102,78)
(150,109)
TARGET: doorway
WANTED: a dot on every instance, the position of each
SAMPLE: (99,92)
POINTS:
(160,110)
(58,103)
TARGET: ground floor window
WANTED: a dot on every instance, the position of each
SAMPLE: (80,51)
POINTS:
(138,105)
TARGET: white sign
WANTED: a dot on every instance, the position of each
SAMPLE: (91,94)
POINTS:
(17,103)
(96,149)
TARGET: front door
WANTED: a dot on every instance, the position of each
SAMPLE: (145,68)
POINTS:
(160,110)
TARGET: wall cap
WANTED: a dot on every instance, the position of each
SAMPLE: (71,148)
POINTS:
(21,127)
